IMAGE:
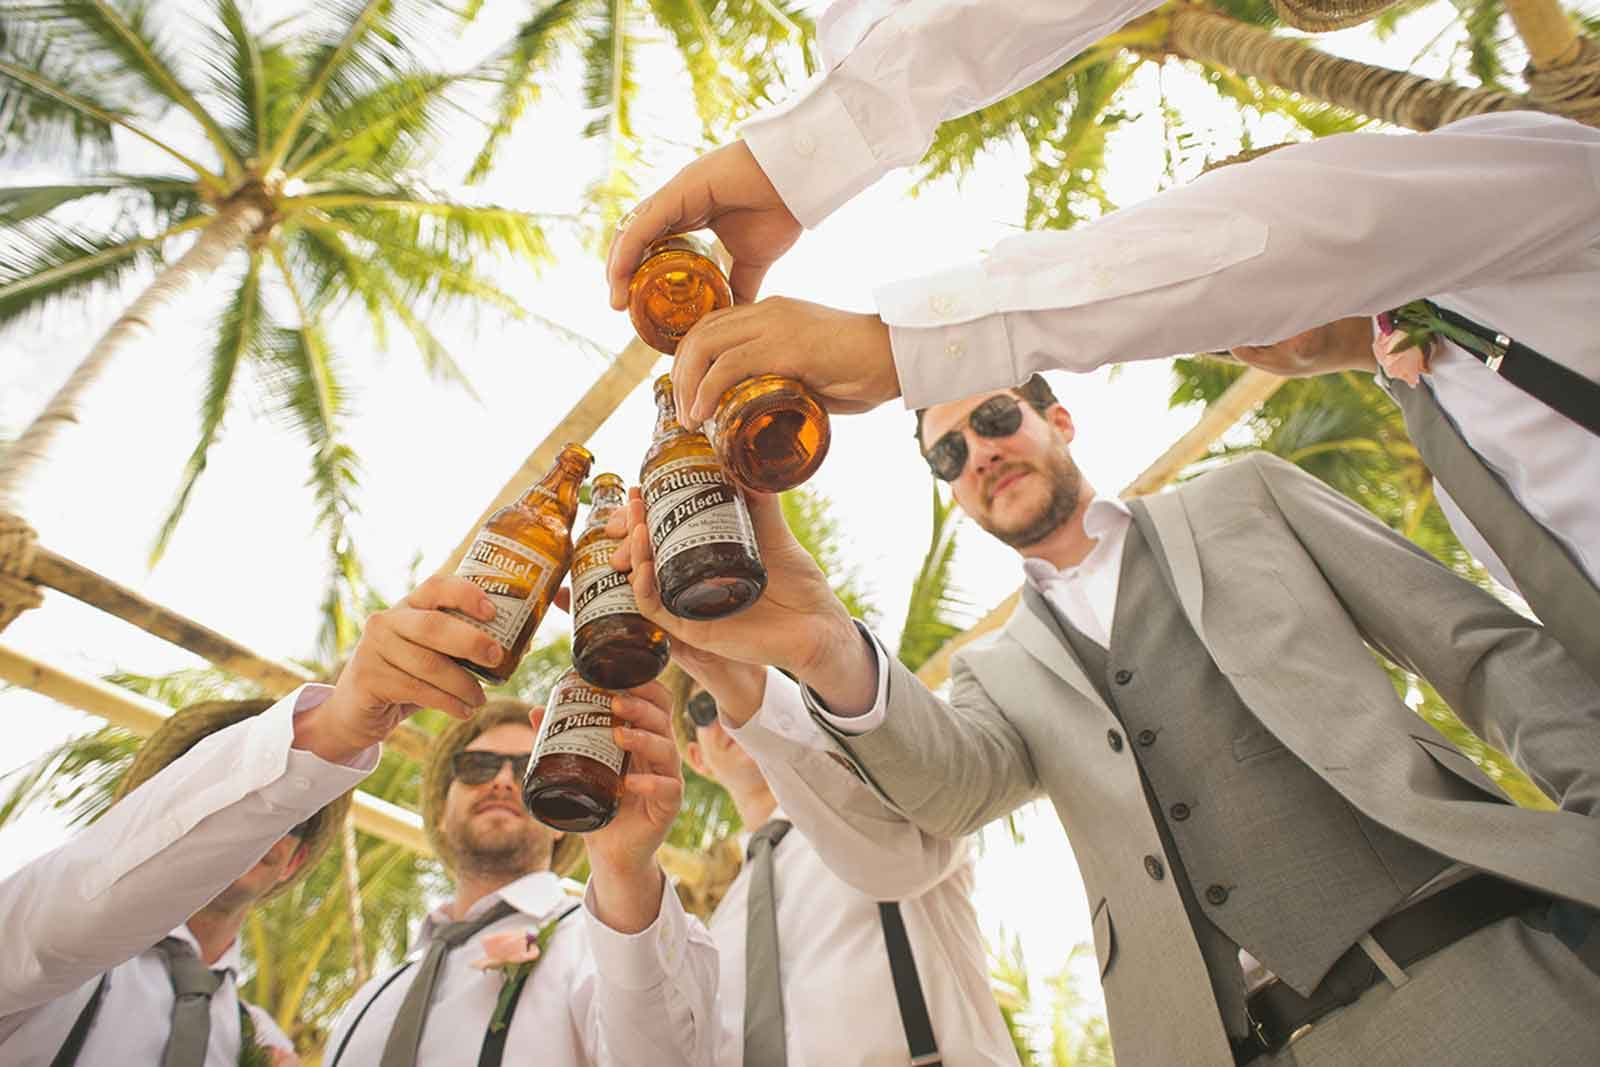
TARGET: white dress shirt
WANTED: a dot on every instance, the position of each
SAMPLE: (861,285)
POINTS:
(1250,254)
(596,998)
(101,900)
(846,852)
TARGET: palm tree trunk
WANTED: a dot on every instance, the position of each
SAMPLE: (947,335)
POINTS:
(224,235)
(1390,95)
(1549,34)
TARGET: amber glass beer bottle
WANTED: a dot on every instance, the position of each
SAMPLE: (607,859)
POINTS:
(574,780)
(707,563)
(769,432)
(520,558)
(613,646)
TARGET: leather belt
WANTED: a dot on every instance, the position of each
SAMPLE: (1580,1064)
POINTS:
(1277,1013)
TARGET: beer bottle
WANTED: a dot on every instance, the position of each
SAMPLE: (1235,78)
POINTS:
(520,558)
(707,563)
(613,646)
(769,432)
(574,780)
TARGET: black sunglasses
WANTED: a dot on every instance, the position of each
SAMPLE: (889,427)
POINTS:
(702,709)
(999,416)
(476,766)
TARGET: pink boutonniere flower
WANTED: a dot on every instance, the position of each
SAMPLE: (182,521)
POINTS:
(513,953)
(1403,347)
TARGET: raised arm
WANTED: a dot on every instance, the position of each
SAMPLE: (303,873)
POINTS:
(1507,679)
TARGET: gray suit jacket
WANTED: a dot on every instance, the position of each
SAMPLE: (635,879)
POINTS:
(1287,583)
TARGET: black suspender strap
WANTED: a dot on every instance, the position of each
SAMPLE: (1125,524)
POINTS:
(73,1046)
(908,988)
(362,1014)
(494,1041)
(1559,388)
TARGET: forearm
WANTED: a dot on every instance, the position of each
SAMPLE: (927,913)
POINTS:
(160,854)
(1243,256)
(652,996)
(899,69)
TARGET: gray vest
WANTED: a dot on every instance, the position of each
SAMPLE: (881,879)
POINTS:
(1550,580)
(1268,855)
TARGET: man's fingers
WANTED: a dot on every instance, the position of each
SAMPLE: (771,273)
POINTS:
(535,718)
(733,365)
(442,633)
(700,348)
(641,714)
(680,205)
(449,591)
(746,279)
(398,687)
(432,669)
(766,515)
(563,599)
(660,788)
(652,753)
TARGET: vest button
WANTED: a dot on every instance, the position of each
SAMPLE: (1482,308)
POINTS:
(1216,894)
(1180,811)
(1123,677)
(1154,869)
(1114,739)
(1147,738)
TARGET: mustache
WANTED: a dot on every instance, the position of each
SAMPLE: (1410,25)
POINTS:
(999,475)
(498,802)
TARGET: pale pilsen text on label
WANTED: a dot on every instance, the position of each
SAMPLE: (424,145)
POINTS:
(690,502)
(512,575)
(579,724)
(598,590)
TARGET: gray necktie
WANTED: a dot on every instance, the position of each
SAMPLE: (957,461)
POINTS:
(193,983)
(764,1044)
(405,1036)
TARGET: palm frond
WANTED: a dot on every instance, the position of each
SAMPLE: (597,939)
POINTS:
(383,131)
(43,265)
(251,80)
(168,200)
(78,776)
(811,520)
(123,33)
(609,88)
(241,334)
(935,612)
(36,125)
(522,70)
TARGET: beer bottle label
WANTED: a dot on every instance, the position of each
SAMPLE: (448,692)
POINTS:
(513,575)
(689,502)
(578,723)
(598,590)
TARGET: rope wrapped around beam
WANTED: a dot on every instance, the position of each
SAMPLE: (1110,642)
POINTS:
(1572,89)
(1322,16)
(19,544)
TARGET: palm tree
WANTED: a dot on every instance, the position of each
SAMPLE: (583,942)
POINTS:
(291,155)
(736,53)
(1065,119)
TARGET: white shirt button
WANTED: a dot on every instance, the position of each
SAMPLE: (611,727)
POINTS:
(942,305)
(302,783)
(955,349)
(805,145)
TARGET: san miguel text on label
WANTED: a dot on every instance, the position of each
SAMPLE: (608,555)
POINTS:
(707,563)
(613,646)
(520,558)
(575,774)
(769,432)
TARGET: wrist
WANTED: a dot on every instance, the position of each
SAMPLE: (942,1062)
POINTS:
(741,692)
(627,897)
(322,731)
(844,671)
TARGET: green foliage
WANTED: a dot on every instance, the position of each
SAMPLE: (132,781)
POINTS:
(819,531)
(1077,1033)
(935,612)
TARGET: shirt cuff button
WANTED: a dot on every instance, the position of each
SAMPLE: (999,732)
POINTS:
(805,145)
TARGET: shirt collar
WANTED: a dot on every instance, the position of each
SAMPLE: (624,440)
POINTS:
(538,895)
(1104,520)
(744,835)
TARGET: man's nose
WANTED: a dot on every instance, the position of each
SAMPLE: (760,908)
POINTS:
(506,776)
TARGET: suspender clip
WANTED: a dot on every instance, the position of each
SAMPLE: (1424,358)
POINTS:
(1497,352)
(927,1059)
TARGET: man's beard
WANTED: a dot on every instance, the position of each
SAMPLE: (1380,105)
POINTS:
(1066,483)
(488,851)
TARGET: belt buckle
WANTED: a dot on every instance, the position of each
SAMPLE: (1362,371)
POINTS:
(1299,1032)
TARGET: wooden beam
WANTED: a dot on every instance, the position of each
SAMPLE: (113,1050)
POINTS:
(131,711)
(1241,398)
(633,366)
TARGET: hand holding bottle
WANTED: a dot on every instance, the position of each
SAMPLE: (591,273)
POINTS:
(724,191)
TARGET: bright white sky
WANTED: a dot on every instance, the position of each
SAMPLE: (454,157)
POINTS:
(245,560)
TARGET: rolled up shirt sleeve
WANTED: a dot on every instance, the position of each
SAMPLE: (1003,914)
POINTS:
(896,70)
(1244,255)
(163,852)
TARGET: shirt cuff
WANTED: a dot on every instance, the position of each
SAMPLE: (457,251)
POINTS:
(782,714)
(643,960)
(948,336)
(813,153)
(855,725)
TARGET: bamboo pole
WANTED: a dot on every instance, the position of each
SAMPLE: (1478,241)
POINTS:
(1239,400)
(631,367)
(130,711)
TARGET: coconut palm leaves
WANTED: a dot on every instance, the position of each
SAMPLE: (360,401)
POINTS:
(297,162)
(735,52)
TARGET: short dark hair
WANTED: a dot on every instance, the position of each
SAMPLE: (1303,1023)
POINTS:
(1036,391)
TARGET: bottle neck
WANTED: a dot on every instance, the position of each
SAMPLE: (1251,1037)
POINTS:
(560,486)
(606,503)
(666,416)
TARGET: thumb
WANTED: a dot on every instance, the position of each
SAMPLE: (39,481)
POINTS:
(766,513)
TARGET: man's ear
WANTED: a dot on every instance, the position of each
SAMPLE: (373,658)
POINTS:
(696,758)
(296,861)
(1061,419)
